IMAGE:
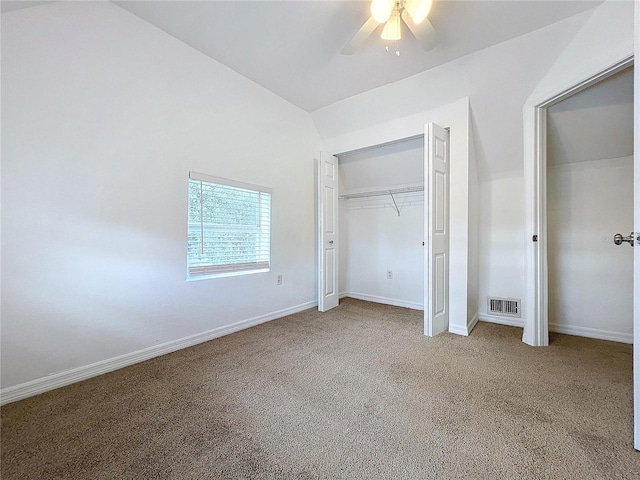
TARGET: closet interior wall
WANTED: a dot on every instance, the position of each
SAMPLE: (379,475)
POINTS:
(382,223)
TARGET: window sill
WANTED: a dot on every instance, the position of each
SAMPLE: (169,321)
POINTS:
(194,278)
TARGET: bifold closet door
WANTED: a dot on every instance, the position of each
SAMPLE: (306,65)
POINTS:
(328,232)
(436,201)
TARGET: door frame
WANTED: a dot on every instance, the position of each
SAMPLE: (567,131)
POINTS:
(535,305)
(428,267)
(463,259)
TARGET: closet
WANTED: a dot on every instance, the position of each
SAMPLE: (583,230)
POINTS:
(381,223)
(384,235)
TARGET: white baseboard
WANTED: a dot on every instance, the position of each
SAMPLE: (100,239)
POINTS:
(512,322)
(413,305)
(458,330)
(61,379)
(383,300)
(472,323)
(592,333)
(466,330)
(566,329)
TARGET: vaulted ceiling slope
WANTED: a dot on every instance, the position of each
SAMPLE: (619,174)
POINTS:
(595,124)
(292,47)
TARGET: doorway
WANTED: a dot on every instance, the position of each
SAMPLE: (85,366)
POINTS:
(431,165)
(381,211)
(589,199)
(536,332)
(463,185)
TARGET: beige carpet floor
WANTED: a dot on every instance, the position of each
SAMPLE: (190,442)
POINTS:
(355,393)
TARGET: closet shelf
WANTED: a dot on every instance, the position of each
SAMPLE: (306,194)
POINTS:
(378,193)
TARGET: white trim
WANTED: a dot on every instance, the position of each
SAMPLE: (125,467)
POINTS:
(536,330)
(636,253)
(203,177)
(564,329)
(511,322)
(405,304)
(592,333)
(466,330)
(458,331)
(472,323)
(57,380)
(383,300)
(578,86)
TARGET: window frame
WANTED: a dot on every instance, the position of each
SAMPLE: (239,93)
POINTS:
(243,268)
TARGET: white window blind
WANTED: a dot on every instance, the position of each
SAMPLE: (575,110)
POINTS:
(229,227)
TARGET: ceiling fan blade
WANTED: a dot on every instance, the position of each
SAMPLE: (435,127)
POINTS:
(360,37)
(424,32)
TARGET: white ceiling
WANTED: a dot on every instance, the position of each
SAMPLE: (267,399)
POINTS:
(10,5)
(594,124)
(292,47)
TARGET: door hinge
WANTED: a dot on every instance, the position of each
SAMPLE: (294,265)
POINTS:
(534,238)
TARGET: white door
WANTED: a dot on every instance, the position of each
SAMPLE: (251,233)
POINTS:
(636,276)
(636,249)
(436,226)
(328,235)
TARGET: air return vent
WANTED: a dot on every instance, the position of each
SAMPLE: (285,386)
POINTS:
(507,307)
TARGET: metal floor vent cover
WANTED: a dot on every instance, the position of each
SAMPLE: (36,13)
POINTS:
(508,307)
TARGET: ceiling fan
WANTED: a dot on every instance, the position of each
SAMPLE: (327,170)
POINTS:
(413,13)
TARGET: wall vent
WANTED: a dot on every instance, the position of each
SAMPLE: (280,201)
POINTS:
(507,307)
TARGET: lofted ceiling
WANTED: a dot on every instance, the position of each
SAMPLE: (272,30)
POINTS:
(10,5)
(292,47)
(594,124)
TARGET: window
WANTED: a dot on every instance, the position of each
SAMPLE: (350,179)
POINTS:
(229,227)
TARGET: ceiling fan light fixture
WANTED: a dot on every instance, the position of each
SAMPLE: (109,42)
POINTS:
(391,29)
(418,9)
(381,9)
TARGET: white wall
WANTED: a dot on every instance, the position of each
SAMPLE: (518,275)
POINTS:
(374,239)
(590,279)
(473,254)
(380,240)
(501,263)
(103,115)
(605,38)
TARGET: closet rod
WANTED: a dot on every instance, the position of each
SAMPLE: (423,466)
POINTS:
(379,193)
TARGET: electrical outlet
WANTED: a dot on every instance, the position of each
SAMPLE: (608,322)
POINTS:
(389,274)
(279,280)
